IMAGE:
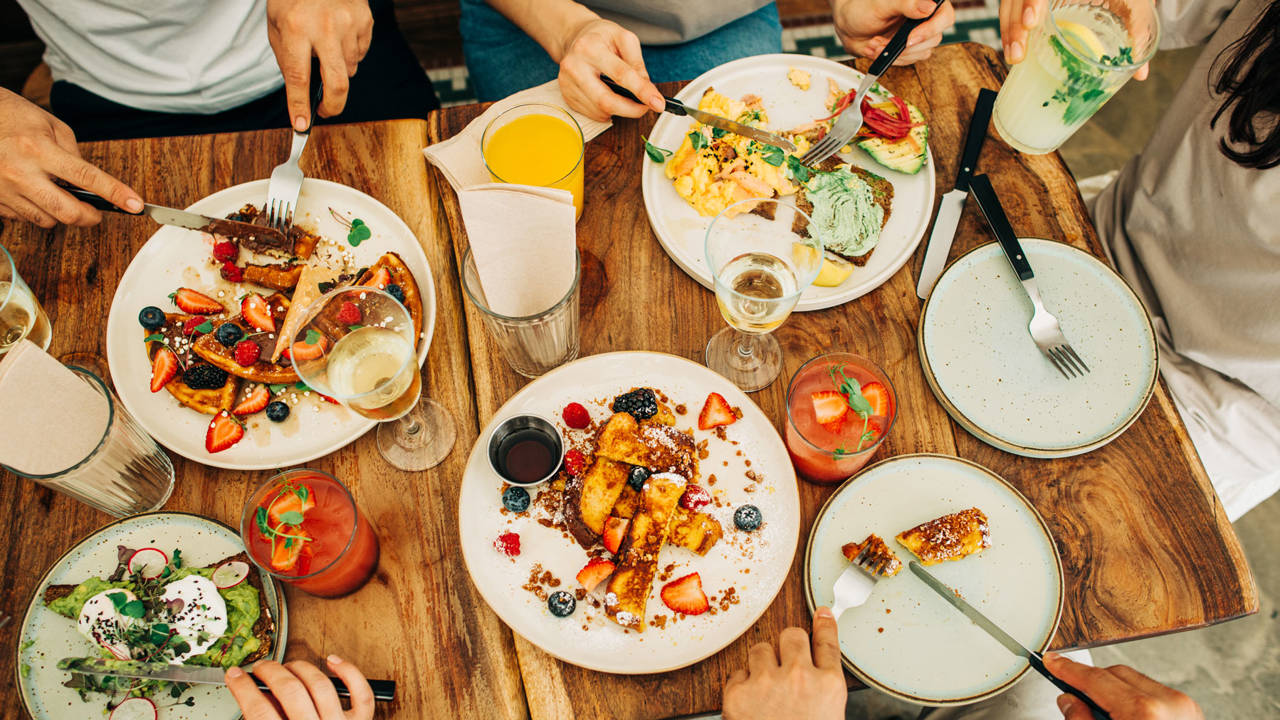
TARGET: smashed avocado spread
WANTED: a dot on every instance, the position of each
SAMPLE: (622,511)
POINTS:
(845,212)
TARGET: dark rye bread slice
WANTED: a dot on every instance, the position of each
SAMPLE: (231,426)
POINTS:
(881,191)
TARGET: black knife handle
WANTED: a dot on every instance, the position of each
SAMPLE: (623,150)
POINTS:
(94,200)
(898,43)
(1038,663)
(982,191)
(383,690)
(673,107)
(976,137)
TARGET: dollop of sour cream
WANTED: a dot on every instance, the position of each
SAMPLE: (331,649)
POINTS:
(202,619)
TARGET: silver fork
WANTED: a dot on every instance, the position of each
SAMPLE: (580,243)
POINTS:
(848,124)
(286,178)
(855,584)
(1045,329)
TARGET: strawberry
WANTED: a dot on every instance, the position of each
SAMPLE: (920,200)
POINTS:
(878,396)
(349,314)
(164,367)
(257,312)
(715,412)
(381,279)
(194,303)
(225,251)
(829,407)
(192,326)
(256,401)
(224,431)
(576,416)
(594,572)
(231,272)
(290,502)
(302,350)
(695,497)
(285,555)
(615,529)
(875,429)
(684,595)
(246,353)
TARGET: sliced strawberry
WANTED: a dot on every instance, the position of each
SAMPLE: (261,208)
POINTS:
(256,401)
(224,431)
(716,412)
(302,350)
(875,429)
(576,416)
(615,529)
(830,407)
(285,552)
(695,497)
(684,595)
(381,279)
(164,367)
(195,303)
(878,395)
(291,502)
(257,312)
(349,314)
(595,572)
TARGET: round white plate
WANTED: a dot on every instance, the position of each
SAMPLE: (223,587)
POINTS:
(46,637)
(981,362)
(754,564)
(682,231)
(175,257)
(907,641)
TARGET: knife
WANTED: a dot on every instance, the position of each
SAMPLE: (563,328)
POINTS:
(261,235)
(675,107)
(1013,646)
(944,227)
(384,690)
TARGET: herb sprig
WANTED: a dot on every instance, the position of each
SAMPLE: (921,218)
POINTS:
(852,391)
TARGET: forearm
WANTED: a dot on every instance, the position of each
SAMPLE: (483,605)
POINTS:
(549,22)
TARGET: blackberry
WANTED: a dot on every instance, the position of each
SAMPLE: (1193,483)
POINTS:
(748,518)
(228,334)
(561,603)
(325,286)
(640,403)
(396,292)
(277,411)
(151,318)
(637,477)
(204,377)
(515,499)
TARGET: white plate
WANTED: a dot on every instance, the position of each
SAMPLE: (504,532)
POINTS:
(988,373)
(46,637)
(906,640)
(175,257)
(682,231)
(755,564)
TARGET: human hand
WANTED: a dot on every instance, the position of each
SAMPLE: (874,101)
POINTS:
(1017,19)
(336,32)
(866,26)
(599,47)
(300,691)
(802,681)
(1123,692)
(35,148)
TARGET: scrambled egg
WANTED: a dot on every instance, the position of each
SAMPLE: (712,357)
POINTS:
(798,77)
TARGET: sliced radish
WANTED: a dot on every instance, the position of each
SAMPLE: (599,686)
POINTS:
(135,709)
(148,562)
(119,652)
(230,574)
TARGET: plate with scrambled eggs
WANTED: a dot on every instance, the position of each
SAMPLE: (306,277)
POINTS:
(877,215)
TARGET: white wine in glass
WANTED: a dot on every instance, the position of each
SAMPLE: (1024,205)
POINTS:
(20,313)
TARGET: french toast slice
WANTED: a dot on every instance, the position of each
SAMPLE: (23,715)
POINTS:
(282,277)
(262,371)
(690,529)
(588,499)
(299,242)
(660,448)
(950,537)
(401,276)
(210,401)
(878,555)
(631,582)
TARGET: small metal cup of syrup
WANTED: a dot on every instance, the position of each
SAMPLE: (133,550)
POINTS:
(526,450)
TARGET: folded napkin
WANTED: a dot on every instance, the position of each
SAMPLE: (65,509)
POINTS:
(50,418)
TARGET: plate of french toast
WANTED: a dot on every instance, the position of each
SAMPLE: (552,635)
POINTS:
(977,534)
(202,328)
(666,530)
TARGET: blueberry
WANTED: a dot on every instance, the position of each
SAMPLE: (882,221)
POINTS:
(515,499)
(637,477)
(277,411)
(561,603)
(748,518)
(396,292)
(228,334)
(151,318)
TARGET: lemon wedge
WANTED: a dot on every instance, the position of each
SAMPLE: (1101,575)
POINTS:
(1084,39)
(833,273)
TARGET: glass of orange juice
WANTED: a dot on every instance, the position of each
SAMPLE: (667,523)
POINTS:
(536,144)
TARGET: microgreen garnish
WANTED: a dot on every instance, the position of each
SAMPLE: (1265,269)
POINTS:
(205,327)
(852,392)
(655,153)
(799,172)
(275,388)
(288,528)
(354,328)
(697,139)
(717,133)
(155,337)
(769,153)
(749,116)
(301,386)
(359,233)
(313,336)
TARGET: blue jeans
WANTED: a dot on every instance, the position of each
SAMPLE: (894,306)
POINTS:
(502,59)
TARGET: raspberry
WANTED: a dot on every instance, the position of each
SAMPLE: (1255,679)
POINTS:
(508,544)
(247,352)
(576,416)
(231,272)
(695,497)
(225,251)
(349,314)
(189,327)
(574,461)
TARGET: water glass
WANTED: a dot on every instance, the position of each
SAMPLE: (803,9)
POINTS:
(20,313)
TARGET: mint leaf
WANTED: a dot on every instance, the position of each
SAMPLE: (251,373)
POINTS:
(313,336)
(697,139)
(155,337)
(276,388)
(293,517)
(205,327)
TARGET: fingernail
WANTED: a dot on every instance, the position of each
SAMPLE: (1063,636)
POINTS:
(335,660)
(235,673)
(824,612)
(1064,703)
(1015,50)
(1052,657)
(299,123)
(926,6)
(133,205)
(1029,16)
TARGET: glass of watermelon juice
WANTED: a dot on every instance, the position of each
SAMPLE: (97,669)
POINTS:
(840,407)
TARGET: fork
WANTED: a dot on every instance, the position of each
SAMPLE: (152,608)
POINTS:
(849,123)
(1044,326)
(286,178)
(855,584)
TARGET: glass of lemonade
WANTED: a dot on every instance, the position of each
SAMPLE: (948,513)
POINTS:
(762,255)
(840,407)
(371,366)
(1082,53)
(20,314)
(536,144)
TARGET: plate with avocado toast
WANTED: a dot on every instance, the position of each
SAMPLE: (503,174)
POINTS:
(159,587)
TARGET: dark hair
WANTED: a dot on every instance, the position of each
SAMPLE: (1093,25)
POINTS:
(1250,78)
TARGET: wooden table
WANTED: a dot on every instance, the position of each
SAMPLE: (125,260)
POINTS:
(1145,543)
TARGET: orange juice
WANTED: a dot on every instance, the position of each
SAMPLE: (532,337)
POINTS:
(536,148)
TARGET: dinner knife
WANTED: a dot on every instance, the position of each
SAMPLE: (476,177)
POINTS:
(952,205)
(675,107)
(1013,646)
(384,690)
(266,236)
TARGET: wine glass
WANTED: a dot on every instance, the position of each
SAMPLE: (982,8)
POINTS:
(762,254)
(357,345)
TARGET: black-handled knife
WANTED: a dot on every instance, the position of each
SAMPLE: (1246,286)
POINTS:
(982,191)
(976,136)
(262,235)
(383,690)
(898,43)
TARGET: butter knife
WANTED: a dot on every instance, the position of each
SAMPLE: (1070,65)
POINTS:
(952,205)
(1034,658)
(675,107)
(264,236)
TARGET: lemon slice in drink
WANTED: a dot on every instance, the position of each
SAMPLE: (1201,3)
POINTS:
(1085,40)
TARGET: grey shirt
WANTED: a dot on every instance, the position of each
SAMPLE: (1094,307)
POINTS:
(667,22)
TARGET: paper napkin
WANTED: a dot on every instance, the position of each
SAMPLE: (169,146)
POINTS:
(50,418)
